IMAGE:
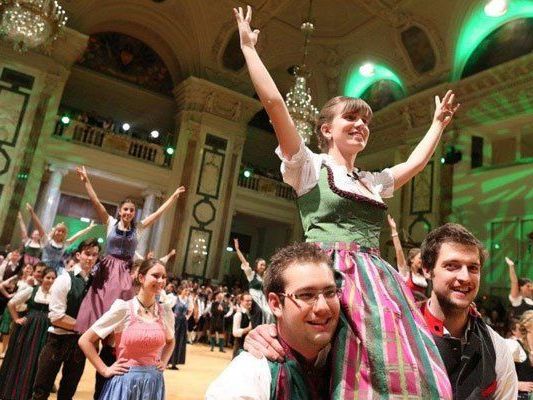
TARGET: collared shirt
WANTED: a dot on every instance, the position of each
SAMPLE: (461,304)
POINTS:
(517,301)
(507,382)
(247,377)
(302,172)
(237,318)
(58,300)
(3,267)
(118,317)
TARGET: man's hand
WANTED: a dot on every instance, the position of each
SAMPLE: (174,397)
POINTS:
(262,341)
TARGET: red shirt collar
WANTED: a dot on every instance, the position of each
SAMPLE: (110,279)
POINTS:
(436,325)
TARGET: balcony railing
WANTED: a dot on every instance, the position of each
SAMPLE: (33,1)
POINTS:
(109,141)
(267,186)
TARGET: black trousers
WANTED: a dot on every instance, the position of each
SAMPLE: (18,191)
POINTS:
(59,350)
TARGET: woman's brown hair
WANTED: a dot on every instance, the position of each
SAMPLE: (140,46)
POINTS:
(328,112)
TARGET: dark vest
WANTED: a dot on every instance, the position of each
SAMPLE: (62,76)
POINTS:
(522,308)
(238,343)
(470,367)
(524,370)
(75,295)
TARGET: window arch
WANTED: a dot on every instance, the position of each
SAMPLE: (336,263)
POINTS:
(479,26)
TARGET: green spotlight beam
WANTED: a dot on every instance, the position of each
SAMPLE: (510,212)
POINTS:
(356,83)
(479,26)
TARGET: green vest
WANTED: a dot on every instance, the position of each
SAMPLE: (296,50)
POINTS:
(75,295)
(330,214)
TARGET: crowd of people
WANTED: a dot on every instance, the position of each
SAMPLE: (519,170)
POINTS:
(327,318)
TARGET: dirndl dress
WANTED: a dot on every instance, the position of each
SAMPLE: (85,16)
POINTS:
(20,363)
(111,277)
(383,348)
(180,332)
(32,254)
(141,343)
(52,256)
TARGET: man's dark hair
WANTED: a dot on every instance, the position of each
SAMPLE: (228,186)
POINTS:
(447,233)
(88,243)
(295,253)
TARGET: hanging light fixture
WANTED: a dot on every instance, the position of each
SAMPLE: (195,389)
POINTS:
(29,24)
(298,100)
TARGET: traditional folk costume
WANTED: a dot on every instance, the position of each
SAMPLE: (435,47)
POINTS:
(524,371)
(480,364)
(293,379)
(140,341)
(241,321)
(32,252)
(112,279)
(52,255)
(25,345)
(261,313)
(61,347)
(383,348)
(180,331)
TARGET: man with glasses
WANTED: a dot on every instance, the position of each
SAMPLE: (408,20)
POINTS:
(301,292)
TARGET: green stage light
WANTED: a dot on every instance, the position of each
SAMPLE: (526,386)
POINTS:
(247,173)
(362,76)
(169,150)
(480,25)
(65,120)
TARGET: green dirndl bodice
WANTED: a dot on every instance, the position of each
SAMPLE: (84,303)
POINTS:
(383,348)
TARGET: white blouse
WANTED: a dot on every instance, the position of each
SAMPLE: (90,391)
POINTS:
(23,295)
(118,318)
(302,172)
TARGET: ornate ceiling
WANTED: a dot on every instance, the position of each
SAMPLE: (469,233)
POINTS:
(191,36)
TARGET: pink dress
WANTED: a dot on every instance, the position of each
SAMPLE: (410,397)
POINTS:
(141,343)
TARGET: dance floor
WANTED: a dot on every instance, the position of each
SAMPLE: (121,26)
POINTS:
(188,383)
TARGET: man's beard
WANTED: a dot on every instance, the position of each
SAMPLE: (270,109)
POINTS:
(449,307)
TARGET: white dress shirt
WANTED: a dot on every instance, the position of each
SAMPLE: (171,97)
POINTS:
(58,300)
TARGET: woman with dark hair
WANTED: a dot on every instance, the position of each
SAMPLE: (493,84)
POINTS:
(112,279)
(260,313)
(182,312)
(144,334)
(20,363)
(219,308)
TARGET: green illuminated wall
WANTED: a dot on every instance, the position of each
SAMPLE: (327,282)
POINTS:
(356,84)
(479,26)
(75,224)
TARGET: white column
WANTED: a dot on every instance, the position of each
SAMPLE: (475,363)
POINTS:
(148,208)
(49,200)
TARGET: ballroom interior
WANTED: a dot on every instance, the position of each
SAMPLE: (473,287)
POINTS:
(153,94)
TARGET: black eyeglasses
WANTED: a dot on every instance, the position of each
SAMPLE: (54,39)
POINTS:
(310,298)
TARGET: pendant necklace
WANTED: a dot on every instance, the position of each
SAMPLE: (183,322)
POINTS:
(146,309)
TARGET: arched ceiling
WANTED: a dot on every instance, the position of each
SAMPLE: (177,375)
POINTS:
(190,36)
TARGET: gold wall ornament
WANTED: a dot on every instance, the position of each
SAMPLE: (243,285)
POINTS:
(29,24)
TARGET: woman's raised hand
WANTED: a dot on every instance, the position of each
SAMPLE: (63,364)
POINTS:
(248,37)
(82,173)
(236,243)
(178,191)
(445,108)
(391,221)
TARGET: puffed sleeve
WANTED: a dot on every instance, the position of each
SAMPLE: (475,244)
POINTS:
(382,182)
(302,171)
(113,320)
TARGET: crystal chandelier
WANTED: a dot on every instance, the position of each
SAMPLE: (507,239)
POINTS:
(302,111)
(29,24)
